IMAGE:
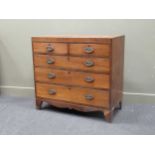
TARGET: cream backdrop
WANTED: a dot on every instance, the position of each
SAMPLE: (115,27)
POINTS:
(16,67)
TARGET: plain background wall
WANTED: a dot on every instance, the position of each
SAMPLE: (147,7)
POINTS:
(16,67)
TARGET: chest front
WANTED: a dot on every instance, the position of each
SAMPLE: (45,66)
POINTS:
(79,73)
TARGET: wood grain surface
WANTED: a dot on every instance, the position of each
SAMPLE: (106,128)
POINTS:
(75,78)
(101,65)
(74,94)
(99,50)
(58,48)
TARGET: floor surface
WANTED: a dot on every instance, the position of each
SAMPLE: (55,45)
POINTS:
(18,116)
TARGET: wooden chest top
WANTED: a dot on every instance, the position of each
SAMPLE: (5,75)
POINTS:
(76,38)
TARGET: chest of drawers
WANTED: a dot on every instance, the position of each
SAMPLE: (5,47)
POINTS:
(79,72)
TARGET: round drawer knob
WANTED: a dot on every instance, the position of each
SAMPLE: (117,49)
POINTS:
(51,75)
(89,50)
(52,91)
(89,79)
(89,63)
(50,49)
(89,97)
(50,61)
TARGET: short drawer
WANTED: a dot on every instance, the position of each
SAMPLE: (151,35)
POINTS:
(99,50)
(101,65)
(72,78)
(76,95)
(50,48)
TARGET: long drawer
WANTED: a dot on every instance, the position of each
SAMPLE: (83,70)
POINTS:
(101,65)
(91,97)
(72,78)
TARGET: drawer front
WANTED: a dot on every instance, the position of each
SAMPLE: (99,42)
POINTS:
(86,64)
(83,96)
(72,78)
(99,50)
(51,48)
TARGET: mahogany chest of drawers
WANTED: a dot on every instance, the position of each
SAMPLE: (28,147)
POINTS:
(79,72)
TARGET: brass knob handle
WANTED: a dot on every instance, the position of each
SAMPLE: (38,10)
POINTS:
(50,49)
(89,63)
(52,91)
(89,50)
(89,97)
(50,61)
(89,79)
(51,75)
